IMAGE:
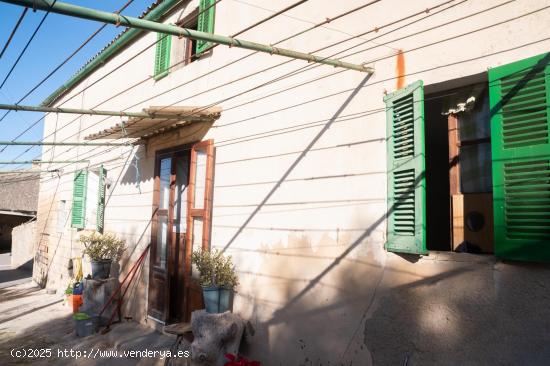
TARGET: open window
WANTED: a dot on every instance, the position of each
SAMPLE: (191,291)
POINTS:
(184,48)
(88,208)
(483,144)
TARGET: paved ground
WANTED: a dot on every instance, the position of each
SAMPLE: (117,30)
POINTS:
(31,319)
(12,276)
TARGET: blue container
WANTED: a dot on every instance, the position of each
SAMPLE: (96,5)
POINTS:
(78,288)
(217,299)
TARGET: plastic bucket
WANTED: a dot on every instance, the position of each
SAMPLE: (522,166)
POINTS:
(75,301)
(85,327)
(101,269)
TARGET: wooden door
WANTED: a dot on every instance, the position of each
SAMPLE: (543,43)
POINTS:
(176,262)
(161,236)
(199,220)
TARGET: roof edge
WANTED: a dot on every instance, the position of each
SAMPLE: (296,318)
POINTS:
(125,38)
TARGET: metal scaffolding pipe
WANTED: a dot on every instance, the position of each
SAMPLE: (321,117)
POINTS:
(61,143)
(132,22)
(29,108)
(28,171)
(44,162)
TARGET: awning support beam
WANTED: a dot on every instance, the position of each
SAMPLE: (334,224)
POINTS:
(93,112)
(61,143)
(43,162)
(132,22)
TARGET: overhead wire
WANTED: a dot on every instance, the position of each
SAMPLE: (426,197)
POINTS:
(393,78)
(27,44)
(21,17)
(101,78)
(195,55)
(280,78)
(78,49)
(377,82)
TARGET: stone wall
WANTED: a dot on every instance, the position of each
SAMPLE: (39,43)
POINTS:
(23,243)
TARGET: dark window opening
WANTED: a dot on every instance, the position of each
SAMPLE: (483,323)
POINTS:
(459,214)
(188,46)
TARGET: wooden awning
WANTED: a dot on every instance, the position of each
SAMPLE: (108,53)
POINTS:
(161,119)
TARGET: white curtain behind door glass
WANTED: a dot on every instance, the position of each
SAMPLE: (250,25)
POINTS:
(200,179)
(165,168)
(180,205)
(197,241)
(162,237)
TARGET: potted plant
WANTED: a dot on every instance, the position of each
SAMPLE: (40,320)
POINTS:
(217,278)
(102,249)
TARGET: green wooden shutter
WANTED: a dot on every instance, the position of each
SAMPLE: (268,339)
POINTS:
(520,128)
(78,211)
(162,55)
(205,23)
(406,170)
(101,200)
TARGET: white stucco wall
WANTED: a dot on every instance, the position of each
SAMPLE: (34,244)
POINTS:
(300,176)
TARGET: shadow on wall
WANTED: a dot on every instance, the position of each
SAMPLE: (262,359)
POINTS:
(139,168)
(394,311)
(325,305)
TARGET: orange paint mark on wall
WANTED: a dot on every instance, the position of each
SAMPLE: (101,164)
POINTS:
(400,69)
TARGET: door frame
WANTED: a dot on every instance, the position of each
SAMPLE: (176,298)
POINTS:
(171,259)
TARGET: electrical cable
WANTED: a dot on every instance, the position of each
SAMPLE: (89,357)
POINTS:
(409,74)
(313,27)
(95,82)
(27,45)
(13,31)
(78,49)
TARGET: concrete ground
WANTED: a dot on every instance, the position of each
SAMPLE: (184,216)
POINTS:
(32,319)
(443,309)
(10,276)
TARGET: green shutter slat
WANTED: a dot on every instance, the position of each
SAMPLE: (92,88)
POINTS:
(520,133)
(205,23)
(162,55)
(101,200)
(78,211)
(406,182)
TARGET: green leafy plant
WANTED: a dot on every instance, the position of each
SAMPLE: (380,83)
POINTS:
(215,268)
(101,247)
(69,289)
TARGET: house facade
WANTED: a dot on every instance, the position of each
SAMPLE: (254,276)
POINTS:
(341,196)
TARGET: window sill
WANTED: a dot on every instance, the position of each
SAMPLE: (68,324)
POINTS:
(161,75)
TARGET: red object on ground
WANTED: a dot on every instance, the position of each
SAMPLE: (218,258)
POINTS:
(75,301)
(239,361)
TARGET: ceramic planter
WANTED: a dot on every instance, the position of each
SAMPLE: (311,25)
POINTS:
(217,299)
(101,269)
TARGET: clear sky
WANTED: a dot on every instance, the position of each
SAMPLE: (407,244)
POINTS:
(58,37)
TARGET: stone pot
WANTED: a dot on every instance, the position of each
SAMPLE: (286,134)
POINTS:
(101,269)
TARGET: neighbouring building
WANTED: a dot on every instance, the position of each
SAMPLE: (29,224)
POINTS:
(373,219)
(18,202)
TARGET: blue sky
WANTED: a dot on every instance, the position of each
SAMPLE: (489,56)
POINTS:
(58,37)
